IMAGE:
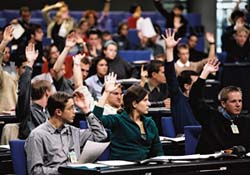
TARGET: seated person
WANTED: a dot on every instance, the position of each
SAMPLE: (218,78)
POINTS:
(31,114)
(95,82)
(121,37)
(55,142)
(179,88)
(134,136)
(238,50)
(238,20)
(183,62)
(157,85)
(135,10)
(116,64)
(224,128)
(196,55)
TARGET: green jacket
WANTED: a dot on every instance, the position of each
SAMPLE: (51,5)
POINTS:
(127,143)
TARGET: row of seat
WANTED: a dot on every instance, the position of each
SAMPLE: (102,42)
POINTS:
(115,17)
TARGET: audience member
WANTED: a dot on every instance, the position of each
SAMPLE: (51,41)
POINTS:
(157,85)
(136,10)
(238,20)
(117,64)
(94,43)
(183,62)
(7,64)
(57,143)
(134,136)
(30,115)
(196,55)
(121,37)
(95,82)
(222,128)
(92,17)
(238,50)
(60,26)
(178,88)
(174,19)
(8,82)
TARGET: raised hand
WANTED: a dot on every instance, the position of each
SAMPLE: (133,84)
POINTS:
(169,39)
(211,66)
(8,34)
(31,54)
(77,58)
(210,37)
(110,82)
(70,40)
(81,101)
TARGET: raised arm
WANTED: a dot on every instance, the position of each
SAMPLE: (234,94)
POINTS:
(24,86)
(7,37)
(160,8)
(199,107)
(70,42)
(77,74)
(48,8)
(211,41)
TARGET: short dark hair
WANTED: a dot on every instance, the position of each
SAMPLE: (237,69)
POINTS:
(95,61)
(237,14)
(133,93)
(182,46)
(185,78)
(38,89)
(57,101)
(24,9)
(19,61)
(223,94)
(133,7)
(154,66)
(94,31)
(32,30)
(179,6)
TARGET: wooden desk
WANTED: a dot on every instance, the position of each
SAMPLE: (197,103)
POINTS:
(208,167)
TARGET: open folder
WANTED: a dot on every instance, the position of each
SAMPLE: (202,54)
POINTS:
(92,150)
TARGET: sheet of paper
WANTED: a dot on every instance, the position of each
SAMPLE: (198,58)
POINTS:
(175,139)
(189,157)
(92,150)
(116,162)
(18,30)
(87,165)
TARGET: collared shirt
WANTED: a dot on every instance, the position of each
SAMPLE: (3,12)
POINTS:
(180,64)
(95,86)
(48,147)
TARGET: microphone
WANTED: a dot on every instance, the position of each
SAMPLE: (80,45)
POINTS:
(238,150)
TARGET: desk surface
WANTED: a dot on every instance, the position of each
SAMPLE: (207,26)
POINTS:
(229,167)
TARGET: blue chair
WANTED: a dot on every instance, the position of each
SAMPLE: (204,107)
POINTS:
(83,124)
(105,154)
(18,156)
(3,22)
(168,129)
(192,134)
(135,55)
(133,38)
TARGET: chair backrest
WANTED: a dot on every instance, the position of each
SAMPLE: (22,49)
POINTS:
(168,129)
(105,154)
(83,124)
(18,157)
(192,134)
(135,55)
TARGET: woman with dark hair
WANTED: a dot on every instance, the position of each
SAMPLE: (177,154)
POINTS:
(134,136)
(96,81)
